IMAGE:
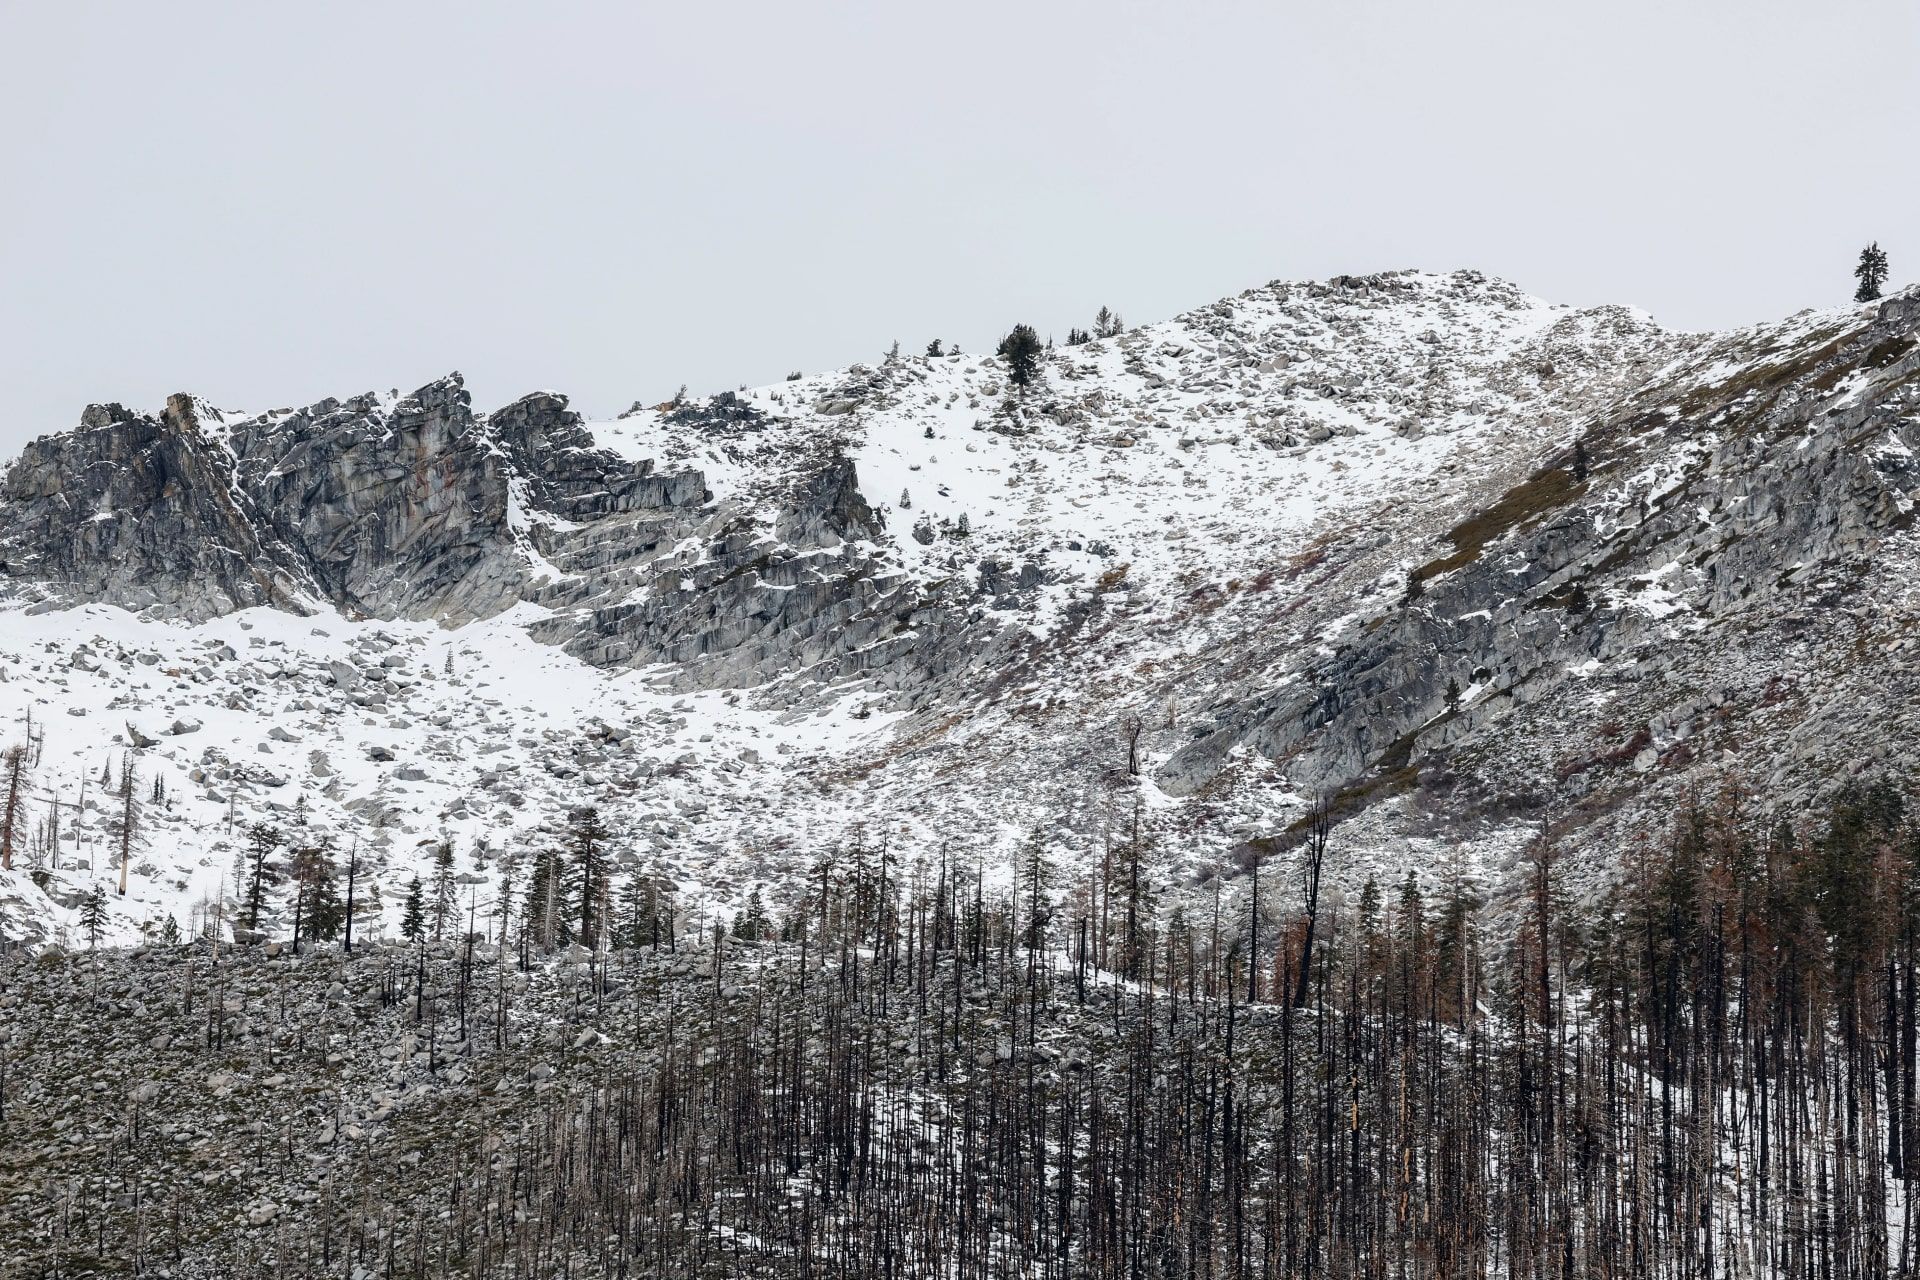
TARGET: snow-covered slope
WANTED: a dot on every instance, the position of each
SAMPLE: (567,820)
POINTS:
(1321,539)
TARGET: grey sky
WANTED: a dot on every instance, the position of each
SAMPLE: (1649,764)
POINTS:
(270,203)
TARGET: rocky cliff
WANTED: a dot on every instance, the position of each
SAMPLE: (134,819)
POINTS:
(414,507)
(1762,489)
(1479,568)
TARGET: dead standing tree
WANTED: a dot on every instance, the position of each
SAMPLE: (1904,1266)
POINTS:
(353,877)
(128,817)
(14,764)
(1131,730)
(1313,861)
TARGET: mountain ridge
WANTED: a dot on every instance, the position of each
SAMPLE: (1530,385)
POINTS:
(1318,540)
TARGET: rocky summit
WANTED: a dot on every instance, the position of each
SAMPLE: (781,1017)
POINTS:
(1469,568)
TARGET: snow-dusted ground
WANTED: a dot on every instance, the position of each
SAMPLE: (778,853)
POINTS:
(1205,499)
(358,729)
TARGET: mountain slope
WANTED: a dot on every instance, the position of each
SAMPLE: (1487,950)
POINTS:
(1319,539)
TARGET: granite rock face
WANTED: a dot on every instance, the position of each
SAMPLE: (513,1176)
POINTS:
(142,511)
(407,507)
(394,509)
(415,507)
(1758,507)
(1355,537)
(398,509)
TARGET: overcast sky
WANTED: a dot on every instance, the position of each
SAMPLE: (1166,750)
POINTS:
(269,203)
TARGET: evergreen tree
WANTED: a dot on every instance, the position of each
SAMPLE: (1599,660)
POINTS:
(326,911)
(1368,935)
(587,840)
(129,821)
(1871,272)
(1036,880)
(442,887)
(413,917)
(635,912)
(935,350)
(1021,350)
(93,913)
(546,922)
(13,778)
(751,924)
(311,870)
(663,913)
(1409,916)
(261,874)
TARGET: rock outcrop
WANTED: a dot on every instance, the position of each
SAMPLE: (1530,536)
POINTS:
(414,507)
(1373,537)
(1757,508)
(144,512)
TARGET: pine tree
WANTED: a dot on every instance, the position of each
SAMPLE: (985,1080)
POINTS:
(545,922)
(1107,324)
(325,908)
(13,776)
(261,874)
(587,840)
(1871,272)
(1579,461)
(1021,350)
(442,887)
(93,913)
(327,913)
(1036,879)
(663,913)
(128,820)
(751,924)
(635,912)
(935,350)
(312,879)
(413,917)
(170,931)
